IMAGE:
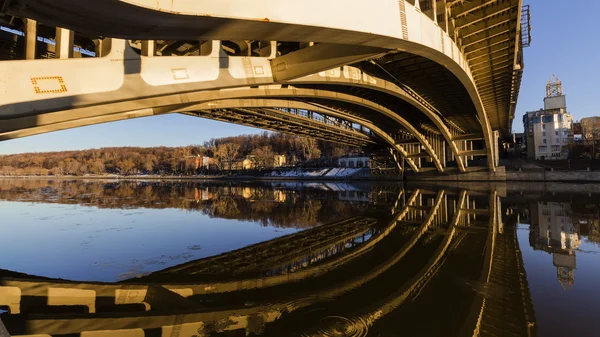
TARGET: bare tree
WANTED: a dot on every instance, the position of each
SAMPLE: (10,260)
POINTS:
(310,148)
(227,152)
(264,156)
(590,128)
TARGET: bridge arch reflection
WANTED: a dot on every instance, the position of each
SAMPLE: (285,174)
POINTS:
(344,277)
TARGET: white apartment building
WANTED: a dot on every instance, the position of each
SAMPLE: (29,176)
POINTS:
(551,132)
(548,131)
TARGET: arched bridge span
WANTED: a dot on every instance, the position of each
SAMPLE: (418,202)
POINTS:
(452,69)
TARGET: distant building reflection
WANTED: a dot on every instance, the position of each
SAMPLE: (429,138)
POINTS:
(554,231)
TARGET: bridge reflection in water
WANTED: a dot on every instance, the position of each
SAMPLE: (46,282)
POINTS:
(441,263)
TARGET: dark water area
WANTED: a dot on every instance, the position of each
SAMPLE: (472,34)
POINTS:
(298,258)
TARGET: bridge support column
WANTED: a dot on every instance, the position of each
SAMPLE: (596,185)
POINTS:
(443,153)
(98,43)
(148,48)
(64,43)
(463,147)
(496,152)
(470,148)
(206,47)
(31,39)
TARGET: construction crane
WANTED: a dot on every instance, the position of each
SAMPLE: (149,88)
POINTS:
(554,87)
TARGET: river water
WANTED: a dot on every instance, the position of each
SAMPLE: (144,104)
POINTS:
(298,258)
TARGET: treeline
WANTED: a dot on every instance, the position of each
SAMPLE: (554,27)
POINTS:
(261,203)
(174,160)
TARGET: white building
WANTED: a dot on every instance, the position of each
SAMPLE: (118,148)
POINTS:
(556,228)
(548,131)
(352,162)
(557,234)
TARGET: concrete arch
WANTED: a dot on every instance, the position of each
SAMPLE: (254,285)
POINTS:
(295,93)
(352,76)
(388,24)
(24,126)
(281,103)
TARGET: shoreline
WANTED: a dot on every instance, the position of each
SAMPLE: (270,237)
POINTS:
(500,176)
(205,178)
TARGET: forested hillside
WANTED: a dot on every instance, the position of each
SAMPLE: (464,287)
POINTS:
(172,160)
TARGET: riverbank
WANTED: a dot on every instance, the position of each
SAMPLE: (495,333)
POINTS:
(451,175)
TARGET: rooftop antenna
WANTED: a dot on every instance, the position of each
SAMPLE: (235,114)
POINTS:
(554,87)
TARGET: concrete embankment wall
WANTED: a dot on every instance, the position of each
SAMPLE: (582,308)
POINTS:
(502,175)
(591,176)
(499,175)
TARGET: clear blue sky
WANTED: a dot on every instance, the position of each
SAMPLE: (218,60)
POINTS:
(564,42)
(163,130)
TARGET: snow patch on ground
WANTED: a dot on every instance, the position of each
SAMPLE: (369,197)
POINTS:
(331,173)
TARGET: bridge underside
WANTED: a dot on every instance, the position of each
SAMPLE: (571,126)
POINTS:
(436,86)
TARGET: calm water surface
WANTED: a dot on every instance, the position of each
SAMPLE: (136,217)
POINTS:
(183,258)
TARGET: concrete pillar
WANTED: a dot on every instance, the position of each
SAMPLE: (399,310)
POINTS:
(496,148)
(206,48)
(148,48)
(64,43)
(468,203)
(470,144)
(463,147)
(30,39)
(98,43)
(248,50)
(446,15)
(499,214)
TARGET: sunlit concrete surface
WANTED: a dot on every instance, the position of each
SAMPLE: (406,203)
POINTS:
(442,75)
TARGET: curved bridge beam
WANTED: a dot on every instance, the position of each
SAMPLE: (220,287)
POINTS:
(386,24)
(308,94)
(290,104)
(23,126)
(354,77)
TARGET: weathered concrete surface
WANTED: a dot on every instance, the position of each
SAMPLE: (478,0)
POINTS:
(554,176)
(552,187)
(499,175)
(502,175)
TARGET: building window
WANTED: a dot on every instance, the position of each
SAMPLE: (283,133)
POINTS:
(544,134)
(556,133)
(556,141)
(543,141)
(544,126)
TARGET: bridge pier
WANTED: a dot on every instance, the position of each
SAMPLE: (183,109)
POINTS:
(64,43)
(31,39)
